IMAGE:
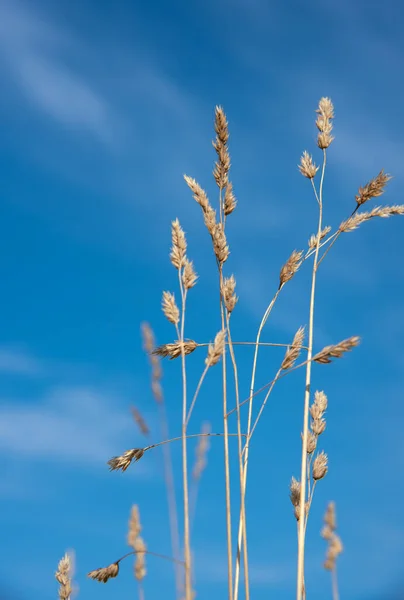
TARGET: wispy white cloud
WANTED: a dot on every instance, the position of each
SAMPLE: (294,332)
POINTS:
(18,362)
(30,48)
(79,425)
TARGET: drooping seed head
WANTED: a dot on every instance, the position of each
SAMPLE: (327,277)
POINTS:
(121,463)
(174,350)
(104,574)
(336,351)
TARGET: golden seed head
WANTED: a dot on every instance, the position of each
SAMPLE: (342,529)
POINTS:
(373,189)
(189,277)
(64,575)
(320,466)
(325,113)
(311,442)
(336,351)
(179,244)
(318,426)
(292,353)
(209,217)
(297,510)
(215,350)
(199,194)
(379,211)
(174,350)
(330,516)
(228,293)
(290,267)
(314,237)
(134,526)
(105,573)
(220,246)
(170,309)
(321,401)
(294,491)
(121,463)
(140,563)
(230,201)
(307,166)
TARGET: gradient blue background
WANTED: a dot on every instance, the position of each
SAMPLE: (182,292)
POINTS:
(104,106)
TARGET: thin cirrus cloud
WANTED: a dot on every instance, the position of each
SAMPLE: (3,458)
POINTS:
(19,362)
(29,48)
(78,425)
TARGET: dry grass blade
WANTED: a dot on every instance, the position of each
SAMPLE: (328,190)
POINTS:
(379,211)
(121,463)
(373,189)
(174,350)
(336,351)
(290,267)
(292,353)
(104,574)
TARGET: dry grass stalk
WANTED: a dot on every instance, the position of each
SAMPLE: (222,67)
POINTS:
(337,350)
(104,574)
(135,526)
(64,576)
(292,353)
(373,189)
(140,421)
(202,450)
(121,463)
(174,350)
(379,211)
(313,239)
(307,166)
(215,350)
(140,563)
(149,345)
(290,267)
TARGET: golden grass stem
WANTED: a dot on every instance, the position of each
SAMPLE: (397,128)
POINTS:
(241,469)
(187,543)
(301,536)
(198,387)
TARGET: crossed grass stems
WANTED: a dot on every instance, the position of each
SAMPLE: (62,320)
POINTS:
(313,468)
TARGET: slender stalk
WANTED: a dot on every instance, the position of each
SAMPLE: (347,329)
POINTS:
(334,579)
(277,377)
(156,554)
(187,544)
(301,537)
(241,468)
(246,449)
(192,435)
(226,457)
(198,387)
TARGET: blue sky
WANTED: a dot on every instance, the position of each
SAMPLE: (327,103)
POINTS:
(104,106)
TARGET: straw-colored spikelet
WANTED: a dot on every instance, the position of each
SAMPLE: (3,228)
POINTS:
(222,165)
(215,350)
(325,113)
(290,267)
(379,211)
(140,563)
(294,491)
(174,350)
(314,237)
(179,244)
(230,201)
(311,442)
(228,293)
(121,463)
(140,421)
(220,246)
(104,574)
(199,194)
(135,526)
(373,189)
(64,576)
(201,452)
(292,353)
(307,166)
(320,466)
(336,351)
(170,309)
(149,345)
(189,277)
(334,547)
